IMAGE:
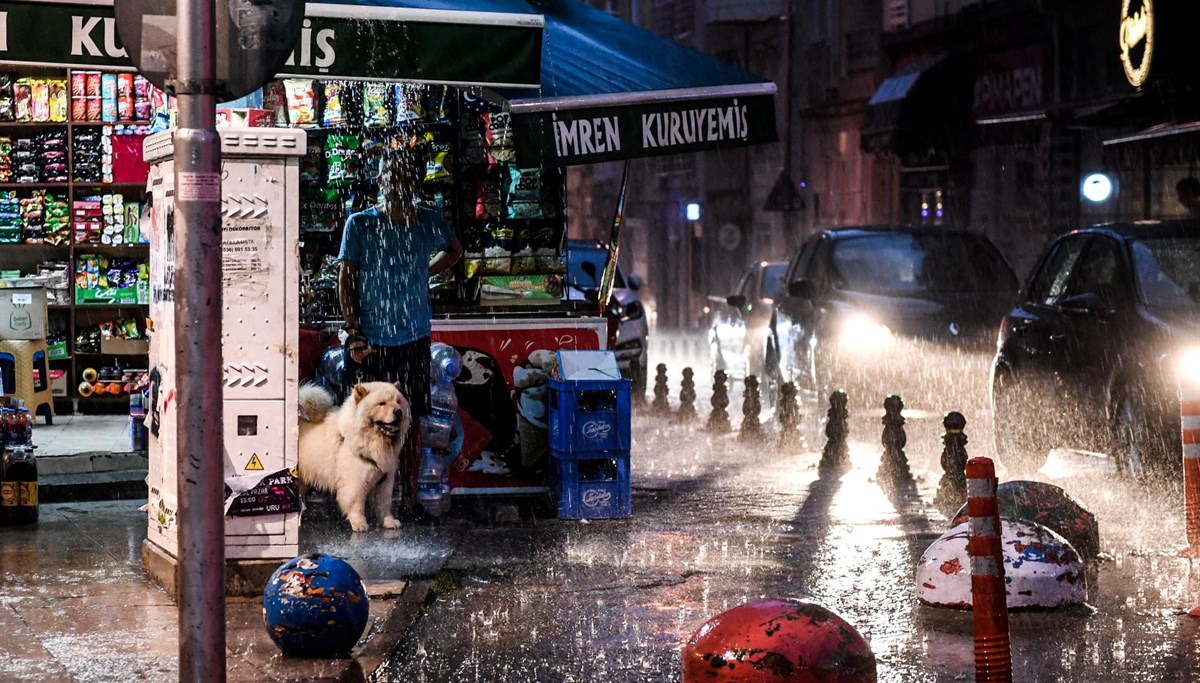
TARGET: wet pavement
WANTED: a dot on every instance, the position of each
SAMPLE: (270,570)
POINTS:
(716,522)
(76,606)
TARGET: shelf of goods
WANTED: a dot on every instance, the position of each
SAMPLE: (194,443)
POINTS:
(72,188)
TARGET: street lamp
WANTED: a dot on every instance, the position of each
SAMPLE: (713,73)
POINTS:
(1097,188)
(693,211)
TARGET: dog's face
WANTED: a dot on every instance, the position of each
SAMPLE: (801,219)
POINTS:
(382,406)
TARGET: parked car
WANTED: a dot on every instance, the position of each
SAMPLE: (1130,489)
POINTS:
(890,310)
(738,326)
(1090,356)
(585,268)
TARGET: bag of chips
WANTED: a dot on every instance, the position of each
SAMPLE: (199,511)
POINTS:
(275,99)
(524,193)
(342,160)
(410,102)
(375,106)
(334,113)
(301,101)
(499,138)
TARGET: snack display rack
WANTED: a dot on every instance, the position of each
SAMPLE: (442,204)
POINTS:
(71,195)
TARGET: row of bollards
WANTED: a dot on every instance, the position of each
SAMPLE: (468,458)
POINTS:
(894,472)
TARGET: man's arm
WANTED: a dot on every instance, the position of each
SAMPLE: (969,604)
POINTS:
(446,257)
(348,292)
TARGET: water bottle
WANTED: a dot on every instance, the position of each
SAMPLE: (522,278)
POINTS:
(446,361)
(437,426)
(429,482)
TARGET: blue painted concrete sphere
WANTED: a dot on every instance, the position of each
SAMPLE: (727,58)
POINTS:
(315,606)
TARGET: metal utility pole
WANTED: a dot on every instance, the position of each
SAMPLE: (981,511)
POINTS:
(201,588)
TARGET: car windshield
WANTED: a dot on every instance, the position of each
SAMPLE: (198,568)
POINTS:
(1168,272)
(585,267)
(772,279)
(907,264)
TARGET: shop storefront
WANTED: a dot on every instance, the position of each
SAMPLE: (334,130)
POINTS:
(501,96)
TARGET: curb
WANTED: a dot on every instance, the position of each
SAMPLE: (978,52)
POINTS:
(90,486)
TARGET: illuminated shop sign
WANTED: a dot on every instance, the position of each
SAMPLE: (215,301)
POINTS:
(1136,40)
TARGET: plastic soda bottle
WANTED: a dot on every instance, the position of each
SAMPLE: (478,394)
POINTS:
(429,482)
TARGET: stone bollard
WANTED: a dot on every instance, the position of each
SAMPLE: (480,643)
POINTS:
(777,640)
(893,467)
(952,489)
(718,419)
(661,405)
(789,415)
(687,398)
(835,458)
(751,408)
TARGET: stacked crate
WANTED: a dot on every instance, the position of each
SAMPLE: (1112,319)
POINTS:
(588,474)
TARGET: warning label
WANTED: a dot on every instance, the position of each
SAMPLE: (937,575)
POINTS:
(255,463)
(198,187)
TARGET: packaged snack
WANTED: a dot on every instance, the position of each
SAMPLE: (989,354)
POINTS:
(524,193)
(23,99)
(108,86)
(108,110)
(473,102)
(333,113)
(375,109)
(94,108)
(125,85)
(437,100)
(79,109)
(141,86)
(488,198)
(58,102)
(93,84)
(410,102)
(342,159)
(301,99)
(78,83)
(124,108)
(473,142)
(275,99)
(498,137)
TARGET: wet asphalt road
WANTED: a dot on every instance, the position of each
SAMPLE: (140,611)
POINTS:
(717,522)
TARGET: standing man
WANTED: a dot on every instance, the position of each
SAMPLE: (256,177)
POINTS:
(383,288)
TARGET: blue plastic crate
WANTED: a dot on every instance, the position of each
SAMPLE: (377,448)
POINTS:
(591,488)
(589,415)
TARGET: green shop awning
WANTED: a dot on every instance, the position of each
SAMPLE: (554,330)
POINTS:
(469,42)
(611,90)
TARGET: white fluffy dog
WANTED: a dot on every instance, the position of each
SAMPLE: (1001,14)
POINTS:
(352,451)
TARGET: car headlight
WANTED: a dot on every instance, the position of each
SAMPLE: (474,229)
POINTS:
(861,334)
(1187,365)
(633,311)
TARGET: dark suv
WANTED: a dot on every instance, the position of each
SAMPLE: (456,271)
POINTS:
(880,310)
(1091,355)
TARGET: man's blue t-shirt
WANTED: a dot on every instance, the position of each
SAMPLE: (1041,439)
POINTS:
(393,272)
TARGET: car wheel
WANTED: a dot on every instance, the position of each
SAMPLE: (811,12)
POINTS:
(771,379)
(1016,448)
(637,379)
(716,361)
(1142,446)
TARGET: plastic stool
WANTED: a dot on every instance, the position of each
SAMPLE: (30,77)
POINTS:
(26,357)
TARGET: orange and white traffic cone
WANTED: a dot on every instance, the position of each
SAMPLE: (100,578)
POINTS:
(1189,418)
(989,600)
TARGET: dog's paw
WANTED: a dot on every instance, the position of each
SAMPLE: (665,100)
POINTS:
(359,524)
(391,523)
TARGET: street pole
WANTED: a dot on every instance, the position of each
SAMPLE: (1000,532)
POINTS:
(199,438)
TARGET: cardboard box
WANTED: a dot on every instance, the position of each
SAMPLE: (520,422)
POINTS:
(245,118)
(125,347)
(23,312)
(58,383)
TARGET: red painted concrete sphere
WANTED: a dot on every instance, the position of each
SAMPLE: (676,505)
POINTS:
(776,640)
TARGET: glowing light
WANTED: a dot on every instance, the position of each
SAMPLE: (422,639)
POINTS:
(1097,188)
(860,334)
(693,212)
(1188,366)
